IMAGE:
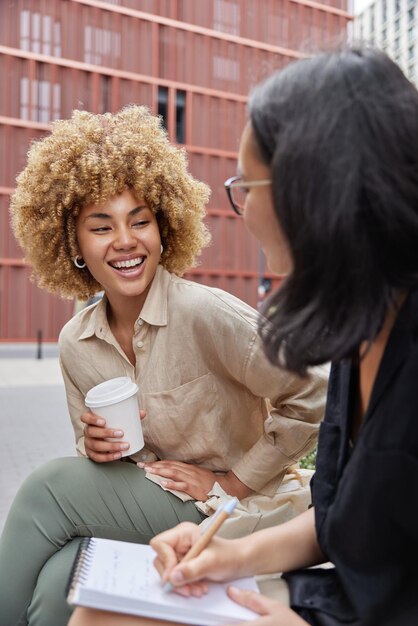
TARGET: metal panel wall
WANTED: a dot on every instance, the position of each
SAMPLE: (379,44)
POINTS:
(58,55)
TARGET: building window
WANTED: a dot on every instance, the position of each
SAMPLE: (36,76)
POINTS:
(411,14)
(226,69)
(40,100)
(411,33)
(180,116)
(397,25)
(227,17)
(180,130)
(100,44)
(397,6)
(384,35)
(163,104)
(411,52)
(384,12)
(40,33)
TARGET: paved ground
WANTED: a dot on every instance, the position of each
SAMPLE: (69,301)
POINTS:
(34,423)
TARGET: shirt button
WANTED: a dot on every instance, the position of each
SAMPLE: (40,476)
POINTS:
(140,344)
(269,419)
(140,322)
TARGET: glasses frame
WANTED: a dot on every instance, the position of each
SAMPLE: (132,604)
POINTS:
(236,182)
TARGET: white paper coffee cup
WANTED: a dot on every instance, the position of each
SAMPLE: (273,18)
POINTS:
(116,401)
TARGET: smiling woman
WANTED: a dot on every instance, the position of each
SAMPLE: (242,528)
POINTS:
(86,161)
(120,243)
(106,202)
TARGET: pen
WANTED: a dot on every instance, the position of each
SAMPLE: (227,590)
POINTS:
(216,522)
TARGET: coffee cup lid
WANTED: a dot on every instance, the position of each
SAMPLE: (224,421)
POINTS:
(110,392)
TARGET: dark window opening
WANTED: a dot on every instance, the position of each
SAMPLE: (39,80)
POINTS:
(163,104)
(180,130)
(180,116)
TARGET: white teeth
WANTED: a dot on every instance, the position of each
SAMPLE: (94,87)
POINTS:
(130,263)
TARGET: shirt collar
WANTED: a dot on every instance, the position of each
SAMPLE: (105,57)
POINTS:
(97,323)
(153,312)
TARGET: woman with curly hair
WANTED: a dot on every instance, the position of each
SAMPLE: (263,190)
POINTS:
(105,202)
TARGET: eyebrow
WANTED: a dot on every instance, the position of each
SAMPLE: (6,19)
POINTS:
(104,216)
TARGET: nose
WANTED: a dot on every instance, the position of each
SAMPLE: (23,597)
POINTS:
(124,239)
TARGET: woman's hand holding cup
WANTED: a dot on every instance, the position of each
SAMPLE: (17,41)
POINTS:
(96,434)
(114,415)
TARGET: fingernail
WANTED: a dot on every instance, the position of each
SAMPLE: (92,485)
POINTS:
(117,433)
(164,483)
(235,590)
(117,455)
(150,470)
(139,464)
(100,422)
(124,446)
(177,578)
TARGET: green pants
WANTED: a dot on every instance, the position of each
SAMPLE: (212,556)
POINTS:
(58,504)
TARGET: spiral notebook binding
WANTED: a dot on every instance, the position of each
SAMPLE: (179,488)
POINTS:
(81,566)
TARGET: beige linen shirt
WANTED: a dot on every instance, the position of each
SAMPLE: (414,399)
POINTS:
(211,396)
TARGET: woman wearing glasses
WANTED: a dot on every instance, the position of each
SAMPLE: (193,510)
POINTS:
(106,202)
(337,136)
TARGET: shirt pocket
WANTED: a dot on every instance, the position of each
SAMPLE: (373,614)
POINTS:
(183,423)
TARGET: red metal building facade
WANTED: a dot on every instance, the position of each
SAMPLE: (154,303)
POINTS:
(193,61)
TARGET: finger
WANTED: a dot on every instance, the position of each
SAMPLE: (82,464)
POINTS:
(91,418)
(165,560)
(163,567)
(179,539)
(170,472)
(199,588)
(100,445)
(253,600)
(102,433)
(103,457)
(196,589)
(177,485)
(199,568)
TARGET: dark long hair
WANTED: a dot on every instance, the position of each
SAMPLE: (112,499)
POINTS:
(340,133)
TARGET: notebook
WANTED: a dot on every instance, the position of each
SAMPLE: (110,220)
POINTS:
(120,576)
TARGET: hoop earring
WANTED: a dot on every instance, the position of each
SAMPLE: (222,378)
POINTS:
(161,249)
(81,265)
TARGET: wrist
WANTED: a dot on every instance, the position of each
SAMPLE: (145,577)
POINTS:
(232,485)
(245,557)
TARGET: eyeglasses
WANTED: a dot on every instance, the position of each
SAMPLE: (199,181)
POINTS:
(237,190)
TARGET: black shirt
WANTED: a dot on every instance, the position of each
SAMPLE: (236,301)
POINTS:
(366,497)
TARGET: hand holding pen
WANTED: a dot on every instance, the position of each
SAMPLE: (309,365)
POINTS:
(182,560)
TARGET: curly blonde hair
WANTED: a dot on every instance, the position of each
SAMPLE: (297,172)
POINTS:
(88,159)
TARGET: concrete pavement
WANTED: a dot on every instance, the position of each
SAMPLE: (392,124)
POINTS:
(34,422)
